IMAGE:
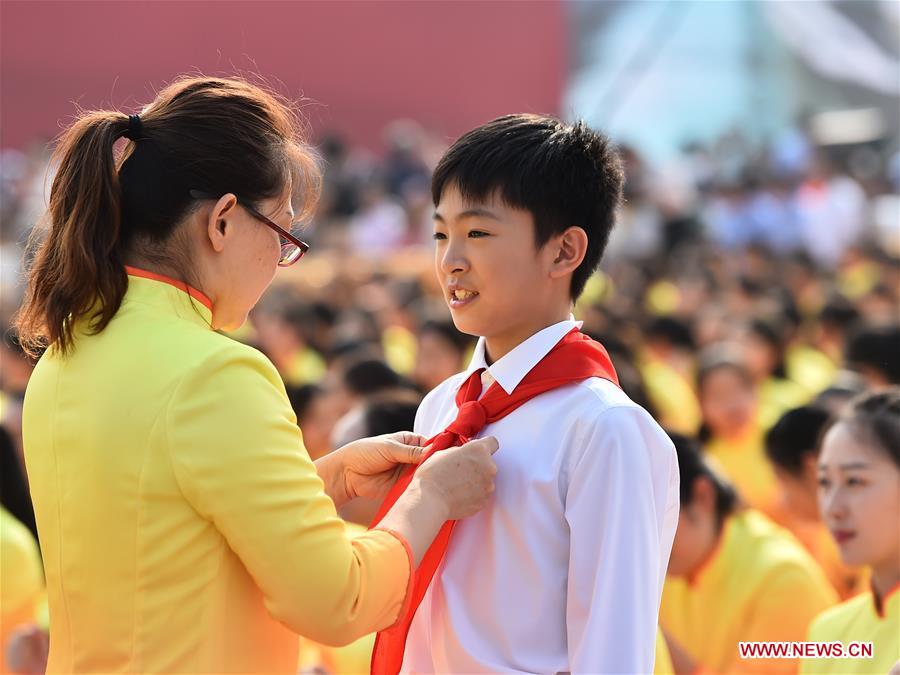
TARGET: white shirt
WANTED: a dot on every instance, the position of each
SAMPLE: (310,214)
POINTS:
(563,570)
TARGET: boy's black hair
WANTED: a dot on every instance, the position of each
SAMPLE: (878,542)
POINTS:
(876,347)
(564,174)
(838,312)
(372,376)
(14,495)
(302,397)
(772,331)
(448,332)
(388,416)
(794,436)
(691,466)
(676,332)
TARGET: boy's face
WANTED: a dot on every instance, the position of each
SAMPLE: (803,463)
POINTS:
(495,280)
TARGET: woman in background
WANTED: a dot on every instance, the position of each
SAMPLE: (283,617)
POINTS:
(732,433)
(859,494)
(734,576)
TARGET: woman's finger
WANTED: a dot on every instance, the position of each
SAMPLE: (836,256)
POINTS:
(408,438)
(406,453)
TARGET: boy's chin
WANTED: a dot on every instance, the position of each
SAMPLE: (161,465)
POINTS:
(466,325)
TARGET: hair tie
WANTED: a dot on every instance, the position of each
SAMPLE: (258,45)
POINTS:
(135,128)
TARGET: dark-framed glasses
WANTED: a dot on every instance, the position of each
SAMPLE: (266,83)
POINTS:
(292,249)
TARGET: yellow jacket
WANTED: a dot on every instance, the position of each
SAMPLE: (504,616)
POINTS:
(759,585)
(183,526)
(858,620)
(21,582)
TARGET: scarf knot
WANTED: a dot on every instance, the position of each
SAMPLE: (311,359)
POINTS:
(470,419)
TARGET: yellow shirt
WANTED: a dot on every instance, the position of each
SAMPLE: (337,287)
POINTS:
(347,660)
(858,620)
(21,579)
(760,584)
(307,368)
(776,397)
(810,368)
(743,461)
(672,395)
(183,525)
(662,663)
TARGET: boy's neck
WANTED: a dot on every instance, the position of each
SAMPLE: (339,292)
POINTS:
(498,346)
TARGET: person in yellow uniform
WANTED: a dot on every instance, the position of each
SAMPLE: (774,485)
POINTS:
(792,447)
(21,580)
(183,526)
(734,576)
(859,495)
(732,432)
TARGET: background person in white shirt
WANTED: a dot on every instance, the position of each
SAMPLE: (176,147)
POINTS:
(563,571)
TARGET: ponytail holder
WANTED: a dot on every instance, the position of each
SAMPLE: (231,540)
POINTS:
(135,128)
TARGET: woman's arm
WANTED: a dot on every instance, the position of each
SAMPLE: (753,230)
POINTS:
(237,456)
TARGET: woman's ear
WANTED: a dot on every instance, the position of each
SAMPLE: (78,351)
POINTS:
(217,221)
(569,249)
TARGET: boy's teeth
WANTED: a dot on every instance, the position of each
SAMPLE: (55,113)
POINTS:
(462,295)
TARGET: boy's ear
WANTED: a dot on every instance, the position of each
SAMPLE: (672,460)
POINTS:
(569,249)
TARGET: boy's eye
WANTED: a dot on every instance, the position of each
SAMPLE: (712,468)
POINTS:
(477,233)
(853,480)
(824,483)
(438,236)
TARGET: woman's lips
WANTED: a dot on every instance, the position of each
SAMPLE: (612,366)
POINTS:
(843,536)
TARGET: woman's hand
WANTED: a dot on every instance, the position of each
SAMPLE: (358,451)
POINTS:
(370,466)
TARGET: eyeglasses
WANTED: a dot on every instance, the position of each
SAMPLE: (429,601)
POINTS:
(292,249)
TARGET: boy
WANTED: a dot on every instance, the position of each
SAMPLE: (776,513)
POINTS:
(563,571)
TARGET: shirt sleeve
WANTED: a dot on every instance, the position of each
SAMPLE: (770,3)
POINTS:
(238,457)
(622,510)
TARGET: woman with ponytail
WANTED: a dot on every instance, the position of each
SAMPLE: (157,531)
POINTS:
(182,524)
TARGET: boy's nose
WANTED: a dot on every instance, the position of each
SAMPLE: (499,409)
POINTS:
(453,261)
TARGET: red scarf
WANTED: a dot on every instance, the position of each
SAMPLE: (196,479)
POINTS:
(574,358)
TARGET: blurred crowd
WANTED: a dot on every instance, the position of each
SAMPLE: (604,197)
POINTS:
(749,292)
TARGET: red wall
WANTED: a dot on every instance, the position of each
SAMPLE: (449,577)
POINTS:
(450,65)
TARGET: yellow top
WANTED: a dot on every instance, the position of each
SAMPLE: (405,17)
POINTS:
(776,397)
(743,461)
(183,525)
(672,395)
(347,660)
(307,368)
(859,620)
(21,579)
(810,368)
(662,663)
(759,584)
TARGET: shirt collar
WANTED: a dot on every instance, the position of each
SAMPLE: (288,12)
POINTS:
(159,290)
(514,366)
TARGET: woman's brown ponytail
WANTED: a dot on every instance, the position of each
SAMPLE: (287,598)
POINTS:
(79,261)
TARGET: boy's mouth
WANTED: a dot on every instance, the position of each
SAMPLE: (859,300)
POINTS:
(460,297)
